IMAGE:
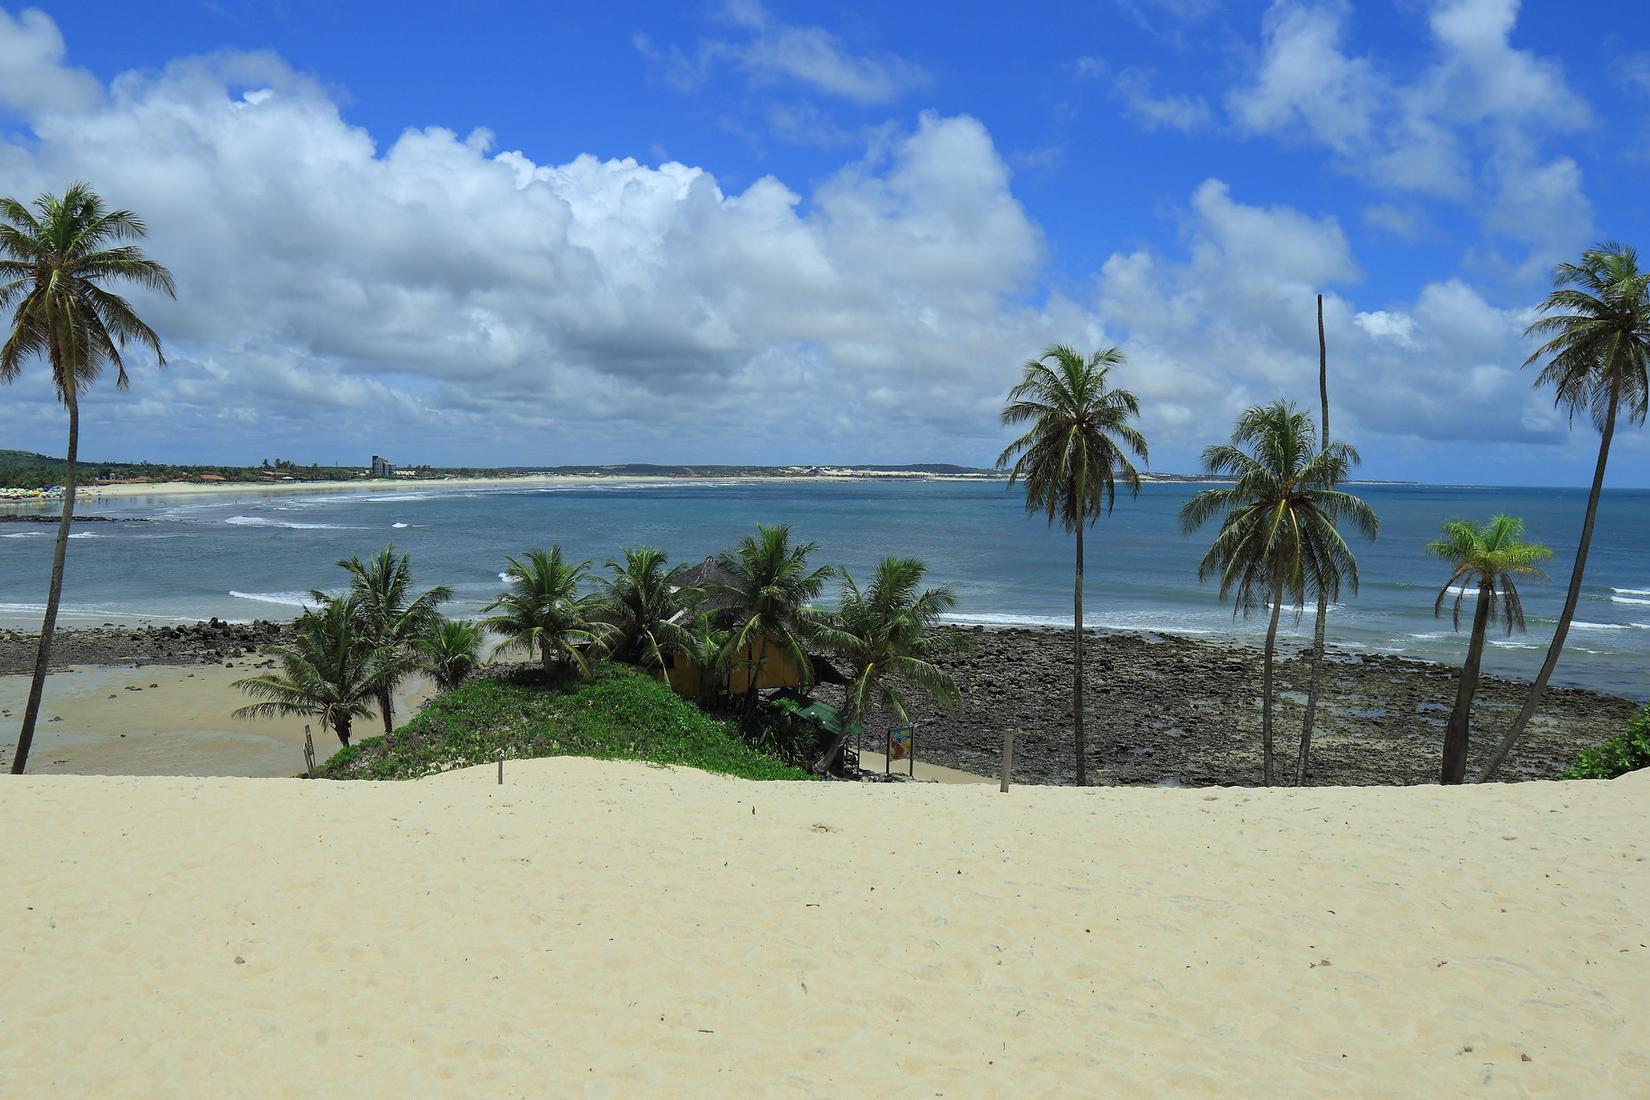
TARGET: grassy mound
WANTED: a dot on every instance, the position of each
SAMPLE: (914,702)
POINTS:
(619,714)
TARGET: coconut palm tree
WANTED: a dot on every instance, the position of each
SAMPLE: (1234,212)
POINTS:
(886,636)
(392,617)
(55,263)
(449,650)
(1074,452)
(767,585)
(330,671)
(1489,556)
(543,611)
(1597,355)
(699,644)
(1278,540)
(643,596)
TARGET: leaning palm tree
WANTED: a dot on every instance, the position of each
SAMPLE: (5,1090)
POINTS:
(449,650)
(886,636)
(1071,458)
(544,612)
(1278,541)
(330,671)
(392,616)
(1597,352)
(643,597)
(767,585)
(1489,556)
(54,265)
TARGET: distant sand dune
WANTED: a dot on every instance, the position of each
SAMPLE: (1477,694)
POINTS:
(623,930)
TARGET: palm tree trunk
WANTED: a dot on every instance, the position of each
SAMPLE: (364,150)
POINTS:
(386,707)
(546,658)
(341,728)
(1077,667)
(756,674)
(54,593)
(1454,769)
(1318,627)
(1571,598)
(1266,685)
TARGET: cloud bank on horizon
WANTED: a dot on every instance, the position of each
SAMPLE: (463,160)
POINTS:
(446,297)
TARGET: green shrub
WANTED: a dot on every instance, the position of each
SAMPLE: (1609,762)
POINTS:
(619,714)
(1627,751)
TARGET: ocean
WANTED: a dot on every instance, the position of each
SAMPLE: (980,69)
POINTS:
(250,555)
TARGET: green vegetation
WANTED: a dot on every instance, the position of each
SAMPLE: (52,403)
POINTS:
(1278,540)
(1627,751)
(392,619)
(1071,458)
(56,265)
(886,636)
(544,612)
(1491,556)
(1597,351)
(642,597)
(617,714)
(331,671)
(768,587)
(449,652)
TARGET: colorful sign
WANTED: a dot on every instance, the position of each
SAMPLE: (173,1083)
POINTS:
(899,742)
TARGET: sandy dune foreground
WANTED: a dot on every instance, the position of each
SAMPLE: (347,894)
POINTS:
(614,929)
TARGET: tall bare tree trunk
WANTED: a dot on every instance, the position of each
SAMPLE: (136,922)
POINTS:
(1077,668)
(1454,768)
(1318,627)
(54,593)
(1266,684)
(1571,598)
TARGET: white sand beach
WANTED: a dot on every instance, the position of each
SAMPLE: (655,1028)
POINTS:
(614,929)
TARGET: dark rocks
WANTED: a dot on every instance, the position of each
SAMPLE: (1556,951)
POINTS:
(188,644)
(1189,708)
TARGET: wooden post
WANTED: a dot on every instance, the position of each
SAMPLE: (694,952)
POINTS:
(912,753)
(887,750)
(309,754)
(1008,757)
(501,767)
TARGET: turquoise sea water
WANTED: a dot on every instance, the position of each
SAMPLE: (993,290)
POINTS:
(253,555)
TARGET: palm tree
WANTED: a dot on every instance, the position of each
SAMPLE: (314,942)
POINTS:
(767,585)
(391,616)
(449,650)
(1278,540)
(544,613)
(700,645)
(331,671)
(886,635)
(1597,351)
(1491,556)
(1071,458)
(54,264)
(1319,624)
(643,598)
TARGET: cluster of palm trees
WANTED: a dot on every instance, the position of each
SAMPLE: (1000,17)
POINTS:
(1279,543)
(755,607)
(353,649)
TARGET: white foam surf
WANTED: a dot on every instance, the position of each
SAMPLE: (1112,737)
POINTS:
(263,521)
(1630,599)
(285,599)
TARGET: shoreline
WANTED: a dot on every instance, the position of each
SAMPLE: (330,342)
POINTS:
(1162,709)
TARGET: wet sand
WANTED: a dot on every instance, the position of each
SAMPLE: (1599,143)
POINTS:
(165,720)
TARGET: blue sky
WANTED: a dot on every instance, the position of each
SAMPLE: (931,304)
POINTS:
(466,233)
